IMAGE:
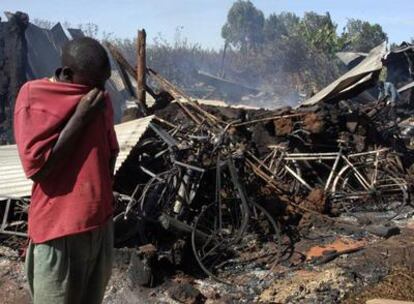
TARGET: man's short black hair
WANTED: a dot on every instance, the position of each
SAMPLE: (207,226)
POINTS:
(86,56)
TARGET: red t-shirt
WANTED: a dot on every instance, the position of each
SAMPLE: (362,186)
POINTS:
(77,195)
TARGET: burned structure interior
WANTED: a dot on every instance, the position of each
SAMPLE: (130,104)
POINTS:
(244,195)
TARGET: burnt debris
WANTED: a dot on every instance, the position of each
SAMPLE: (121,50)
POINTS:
(229,183)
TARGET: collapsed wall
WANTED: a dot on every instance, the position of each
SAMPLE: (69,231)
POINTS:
(13,65)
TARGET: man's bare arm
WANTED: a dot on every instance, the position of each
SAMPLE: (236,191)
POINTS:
(90,104)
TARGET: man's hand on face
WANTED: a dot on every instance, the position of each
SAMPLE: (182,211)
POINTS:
(91,104)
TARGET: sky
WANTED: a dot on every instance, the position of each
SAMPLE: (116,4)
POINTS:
(200,21)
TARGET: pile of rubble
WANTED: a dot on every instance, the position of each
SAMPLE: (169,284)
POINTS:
(242,187)
(251,193)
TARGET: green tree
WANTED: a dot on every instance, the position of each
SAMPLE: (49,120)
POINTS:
(362,36)
(280,25)
(320,32)
(244,26)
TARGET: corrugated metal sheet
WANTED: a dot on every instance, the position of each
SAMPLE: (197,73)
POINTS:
(358,75)
(348,57)
(128,135)
(404,47)
(42,55)
(13,182)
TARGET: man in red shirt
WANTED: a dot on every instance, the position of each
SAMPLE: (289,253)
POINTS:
(67,145)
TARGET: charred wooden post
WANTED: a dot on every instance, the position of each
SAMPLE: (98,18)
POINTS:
(141,69)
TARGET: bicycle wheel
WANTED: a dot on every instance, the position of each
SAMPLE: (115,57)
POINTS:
(386,193)
(226,249)
(283,171)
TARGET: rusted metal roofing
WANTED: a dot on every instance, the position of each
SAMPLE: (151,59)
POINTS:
(13,182)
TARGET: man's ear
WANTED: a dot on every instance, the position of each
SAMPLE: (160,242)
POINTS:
(67,74)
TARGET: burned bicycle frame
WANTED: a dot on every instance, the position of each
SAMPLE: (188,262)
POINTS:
(336,171)
(168,201)
(365,169)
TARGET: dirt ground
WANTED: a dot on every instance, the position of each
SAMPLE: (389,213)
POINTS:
(383,268)
(398,285)
(13,289)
